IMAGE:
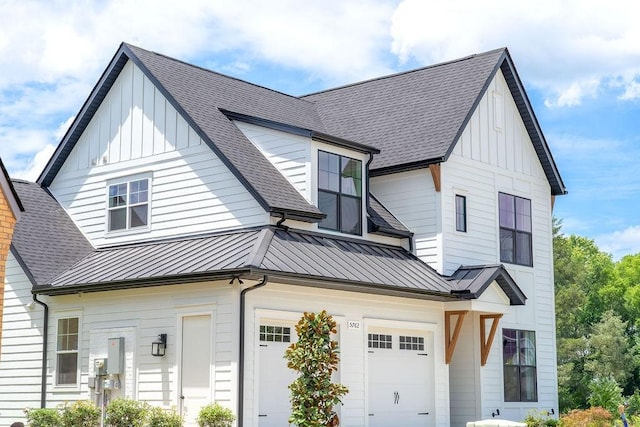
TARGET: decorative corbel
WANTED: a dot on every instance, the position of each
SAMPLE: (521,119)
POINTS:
(451,340)
(486,342)
(435,175)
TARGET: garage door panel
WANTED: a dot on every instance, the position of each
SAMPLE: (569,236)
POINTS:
(399,383)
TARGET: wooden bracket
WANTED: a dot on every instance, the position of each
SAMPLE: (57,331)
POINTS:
(451,340)
(435,175)
(486,342)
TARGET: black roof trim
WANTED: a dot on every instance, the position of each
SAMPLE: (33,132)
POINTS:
(308,133)
(23,265)
(406,167)
(12,189)
(472,281)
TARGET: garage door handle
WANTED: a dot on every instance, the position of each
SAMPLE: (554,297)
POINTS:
(423,413)
(262,415)
(371,415)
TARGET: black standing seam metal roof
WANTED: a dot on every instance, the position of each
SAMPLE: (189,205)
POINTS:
(471,281)
(347,264)
(415,118)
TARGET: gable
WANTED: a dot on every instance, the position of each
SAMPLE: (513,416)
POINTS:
(136,133)
(496,134)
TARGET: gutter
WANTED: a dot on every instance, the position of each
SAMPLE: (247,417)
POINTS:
(45,329)
(243,293)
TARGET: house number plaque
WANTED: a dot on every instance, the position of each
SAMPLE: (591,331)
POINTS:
(353,324)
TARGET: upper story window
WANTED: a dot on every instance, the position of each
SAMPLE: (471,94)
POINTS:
(461,213)
(515,230)
(340,192)
(67,351)
(128,205)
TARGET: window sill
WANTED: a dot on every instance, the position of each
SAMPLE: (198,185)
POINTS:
(133,231)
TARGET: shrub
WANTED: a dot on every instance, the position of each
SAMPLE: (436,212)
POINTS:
(82,413)
(539,419)
(315,358)
(126,413)
(43,417)
(158,417)
(592,417)
(214,415)
(605,393)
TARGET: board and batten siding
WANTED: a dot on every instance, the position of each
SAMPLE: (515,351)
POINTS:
(411,197)
(290,154)
(136,132)
(21,346)
(495,154)
(286,302)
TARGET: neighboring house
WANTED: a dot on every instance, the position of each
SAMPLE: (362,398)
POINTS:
(201,215)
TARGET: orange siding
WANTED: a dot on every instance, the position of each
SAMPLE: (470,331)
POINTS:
(7,224)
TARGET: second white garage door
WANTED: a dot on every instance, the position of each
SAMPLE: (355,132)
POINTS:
(399,377)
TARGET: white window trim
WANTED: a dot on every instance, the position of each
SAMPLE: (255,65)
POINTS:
(58,317)
(122,180)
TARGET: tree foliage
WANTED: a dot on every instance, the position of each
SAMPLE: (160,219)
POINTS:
(315,358)
(597,315)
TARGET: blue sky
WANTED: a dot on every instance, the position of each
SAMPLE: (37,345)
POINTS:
(579,61)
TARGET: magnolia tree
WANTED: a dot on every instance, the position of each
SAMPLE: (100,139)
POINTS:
(315,358)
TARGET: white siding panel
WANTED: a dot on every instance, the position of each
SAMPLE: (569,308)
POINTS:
(412,198)
(290,154)
(21,347)
(514,169)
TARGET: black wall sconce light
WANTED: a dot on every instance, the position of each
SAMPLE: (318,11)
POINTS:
(159,345)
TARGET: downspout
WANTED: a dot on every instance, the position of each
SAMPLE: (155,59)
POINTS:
(45,328)
(243,293)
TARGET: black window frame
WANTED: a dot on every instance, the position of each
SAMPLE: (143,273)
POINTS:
(514,230)
(520,369)
(461,213)
(341,196)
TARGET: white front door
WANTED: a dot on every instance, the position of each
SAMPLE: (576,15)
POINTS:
(399,383)
(195,374)
(275,377)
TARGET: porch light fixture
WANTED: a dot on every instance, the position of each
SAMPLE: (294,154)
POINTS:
(159,345)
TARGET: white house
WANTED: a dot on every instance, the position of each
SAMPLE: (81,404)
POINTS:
(204,214)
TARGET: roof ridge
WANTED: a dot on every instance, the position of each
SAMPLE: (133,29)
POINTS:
(414,70)
(200,67)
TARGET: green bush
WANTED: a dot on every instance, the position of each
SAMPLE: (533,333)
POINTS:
(82,413)
(605,393)
(126,413)
(214,415)
(43,417)
(158,417)
(539,419)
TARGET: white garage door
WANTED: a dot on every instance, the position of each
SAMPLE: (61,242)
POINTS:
(275,376)
(399,383)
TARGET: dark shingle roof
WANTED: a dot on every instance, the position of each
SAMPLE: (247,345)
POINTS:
(383,222)
(471,282)
(46,240)
(416,118)
(290,255)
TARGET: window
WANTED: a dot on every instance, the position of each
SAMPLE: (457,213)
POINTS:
(275,333)
(379,341)
(519,358)
(515,230)
(411,343)
(128,205)
(340,192)
(67,352)
(461,213)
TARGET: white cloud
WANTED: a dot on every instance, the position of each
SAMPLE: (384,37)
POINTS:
(36,165)
(567,48)
(621,243)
